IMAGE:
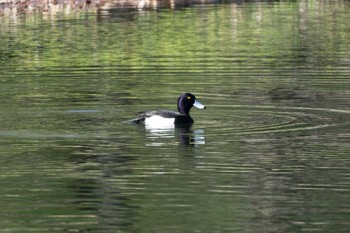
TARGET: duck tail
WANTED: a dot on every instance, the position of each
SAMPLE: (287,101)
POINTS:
(138,120)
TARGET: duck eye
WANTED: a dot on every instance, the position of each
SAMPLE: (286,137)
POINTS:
(189,97)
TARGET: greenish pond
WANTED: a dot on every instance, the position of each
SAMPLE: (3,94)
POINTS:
(269,154)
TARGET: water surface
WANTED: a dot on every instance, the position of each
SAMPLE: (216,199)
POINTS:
(270,154)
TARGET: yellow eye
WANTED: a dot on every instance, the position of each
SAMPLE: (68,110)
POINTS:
(189,97)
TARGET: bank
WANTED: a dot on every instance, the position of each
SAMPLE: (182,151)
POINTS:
(29,6)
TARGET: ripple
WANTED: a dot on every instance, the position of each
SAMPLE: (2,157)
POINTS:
(248,120)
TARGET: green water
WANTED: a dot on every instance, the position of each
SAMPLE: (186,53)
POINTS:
(269,154)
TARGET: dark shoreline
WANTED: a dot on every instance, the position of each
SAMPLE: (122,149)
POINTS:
(29,6)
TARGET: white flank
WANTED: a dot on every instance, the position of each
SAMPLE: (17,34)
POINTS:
(159,122)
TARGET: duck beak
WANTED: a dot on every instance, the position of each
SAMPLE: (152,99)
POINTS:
(197,104)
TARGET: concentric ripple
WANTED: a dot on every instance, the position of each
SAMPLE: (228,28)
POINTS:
(270,119)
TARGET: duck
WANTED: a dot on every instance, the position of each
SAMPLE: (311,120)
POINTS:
(166,118)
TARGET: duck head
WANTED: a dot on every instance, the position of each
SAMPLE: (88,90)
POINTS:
(186,101)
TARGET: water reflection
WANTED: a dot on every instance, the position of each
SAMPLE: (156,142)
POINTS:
(185,135)
(98,188)
(191,138)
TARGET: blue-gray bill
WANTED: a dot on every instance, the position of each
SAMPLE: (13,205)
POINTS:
(198,104)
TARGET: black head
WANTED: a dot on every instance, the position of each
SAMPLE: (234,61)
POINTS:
(186,101)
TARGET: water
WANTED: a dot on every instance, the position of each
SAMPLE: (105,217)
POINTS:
(270,154)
